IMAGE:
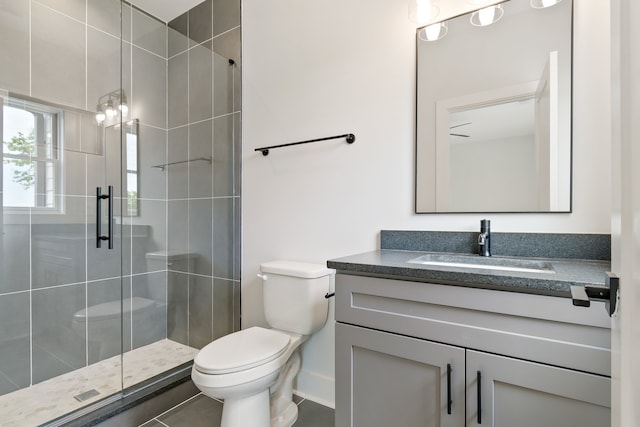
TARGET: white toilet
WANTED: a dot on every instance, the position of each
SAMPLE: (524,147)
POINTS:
(253,369)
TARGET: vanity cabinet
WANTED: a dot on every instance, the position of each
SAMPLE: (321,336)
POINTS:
(419,354)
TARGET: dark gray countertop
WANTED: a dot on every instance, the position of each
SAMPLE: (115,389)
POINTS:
(393,264)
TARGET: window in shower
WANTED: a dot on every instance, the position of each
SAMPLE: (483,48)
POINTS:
(31,148)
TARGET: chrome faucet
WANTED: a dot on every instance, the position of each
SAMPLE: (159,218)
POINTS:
(484,238)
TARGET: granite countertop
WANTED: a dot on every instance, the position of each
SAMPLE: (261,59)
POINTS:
(390,263)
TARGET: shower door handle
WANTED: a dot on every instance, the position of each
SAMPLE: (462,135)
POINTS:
(99,198)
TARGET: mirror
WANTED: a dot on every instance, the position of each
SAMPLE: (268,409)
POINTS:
(494,114)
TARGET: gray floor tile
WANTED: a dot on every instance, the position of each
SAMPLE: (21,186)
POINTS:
(201,411)
(311,414)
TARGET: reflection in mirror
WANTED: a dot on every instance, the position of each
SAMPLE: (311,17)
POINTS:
(494,114)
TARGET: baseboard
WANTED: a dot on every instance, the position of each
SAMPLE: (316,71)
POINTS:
(316,387)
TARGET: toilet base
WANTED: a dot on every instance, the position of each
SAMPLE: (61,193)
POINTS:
(246,411)
(287,417)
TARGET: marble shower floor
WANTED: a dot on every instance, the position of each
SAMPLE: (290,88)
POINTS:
(54,398)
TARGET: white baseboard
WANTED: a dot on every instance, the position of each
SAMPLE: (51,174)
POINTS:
(316,387)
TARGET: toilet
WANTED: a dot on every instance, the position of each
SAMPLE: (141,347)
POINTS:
(103,321)
(253,370)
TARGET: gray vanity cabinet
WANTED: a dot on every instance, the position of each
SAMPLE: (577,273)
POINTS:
(397,381)
(542,362)
(520,393)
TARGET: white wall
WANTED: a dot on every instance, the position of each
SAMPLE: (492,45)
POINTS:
(313,69)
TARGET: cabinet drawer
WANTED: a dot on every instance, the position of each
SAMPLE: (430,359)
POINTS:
(539,328)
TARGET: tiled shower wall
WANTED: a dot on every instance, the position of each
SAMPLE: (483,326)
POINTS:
(68,53)
(204,211)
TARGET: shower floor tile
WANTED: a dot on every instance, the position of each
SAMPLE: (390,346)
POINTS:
(54,398)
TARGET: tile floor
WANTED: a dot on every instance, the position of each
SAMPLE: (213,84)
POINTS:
(202,411)
(26,407)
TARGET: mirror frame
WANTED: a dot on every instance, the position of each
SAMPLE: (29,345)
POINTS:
(428,195)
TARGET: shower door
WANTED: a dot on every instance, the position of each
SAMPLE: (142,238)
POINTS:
(62,197)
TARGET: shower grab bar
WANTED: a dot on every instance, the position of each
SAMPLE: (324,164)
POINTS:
(163,166)
(99,198)
(349,137)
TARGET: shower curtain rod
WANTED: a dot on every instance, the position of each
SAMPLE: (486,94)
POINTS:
(349,137)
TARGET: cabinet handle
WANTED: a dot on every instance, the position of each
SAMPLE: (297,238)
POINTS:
(479,378)
(449,401)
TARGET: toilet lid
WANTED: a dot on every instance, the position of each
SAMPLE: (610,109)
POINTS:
(112,309)
(241,350)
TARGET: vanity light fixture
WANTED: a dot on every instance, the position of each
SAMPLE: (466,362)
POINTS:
(422,11)
(487,15)
(106,111)
(541,4)
(433,32)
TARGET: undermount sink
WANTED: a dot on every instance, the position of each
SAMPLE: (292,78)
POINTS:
(484,263)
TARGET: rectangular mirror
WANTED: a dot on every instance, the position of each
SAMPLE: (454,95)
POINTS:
(494,113)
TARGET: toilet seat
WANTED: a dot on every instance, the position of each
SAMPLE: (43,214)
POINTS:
(241,350)
(114,309)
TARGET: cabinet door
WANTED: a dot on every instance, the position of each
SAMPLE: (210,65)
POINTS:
(386,380)
(525,394)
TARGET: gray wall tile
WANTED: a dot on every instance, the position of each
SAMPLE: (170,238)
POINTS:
(15,339)
(178,225)
(106,338)
(226,15)
(200,311)
(178,29)
(14,44)
(152,151)
(178,307)
(105,15)
(201,146)
(178,88)
(200,22)
(15,253)
(225,156)
(149,88)
(153,213)
(178,175)
(150,325)
(149,33)
(57,346)
(105,56)
(224,307)
(228,45)
(200,84)
(73,8)
(57,57)
(200,243)
(223,83)
(223,233)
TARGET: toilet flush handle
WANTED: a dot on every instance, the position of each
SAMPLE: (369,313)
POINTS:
(262,276)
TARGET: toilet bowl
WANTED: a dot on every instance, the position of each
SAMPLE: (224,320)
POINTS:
(253,370)
(104,329)
(101,323)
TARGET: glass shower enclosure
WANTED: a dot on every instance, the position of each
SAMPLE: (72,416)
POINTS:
(108,279)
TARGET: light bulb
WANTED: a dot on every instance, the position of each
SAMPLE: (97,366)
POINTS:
(541,4)
(422,11)
(487,16)
(100,116)
(433,32)
(124,109)
(110,111)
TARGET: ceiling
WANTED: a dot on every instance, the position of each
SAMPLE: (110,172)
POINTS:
(165,10)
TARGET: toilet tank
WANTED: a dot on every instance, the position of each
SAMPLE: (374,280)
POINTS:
(294,295)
